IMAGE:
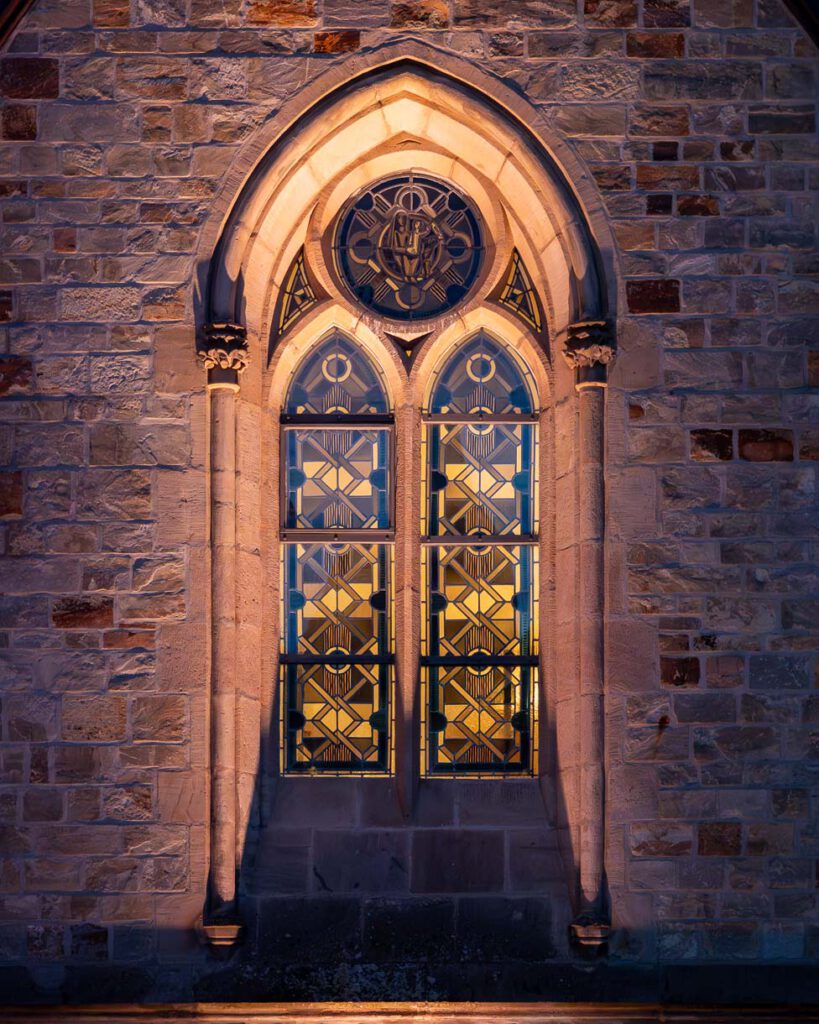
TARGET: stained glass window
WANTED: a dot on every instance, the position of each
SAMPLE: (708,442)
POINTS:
(519,294)
(409,247)
(479,655)
(337,642)
(297,296)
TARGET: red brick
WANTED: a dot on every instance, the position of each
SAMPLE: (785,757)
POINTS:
(36,78)
(336,42)
(19,122)
(653,296)
(655,44)
(11,494)
(766,445)
(719,839)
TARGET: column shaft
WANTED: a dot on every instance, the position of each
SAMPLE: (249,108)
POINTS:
(223,625)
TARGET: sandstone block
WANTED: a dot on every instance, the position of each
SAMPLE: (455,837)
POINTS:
(537,13)
(138,609)
(114,494)
(375,861)
(11,494)
(83,613)
(29,77)
(660,839)
(159,719)
(406,929)
(100,718)
(456,861)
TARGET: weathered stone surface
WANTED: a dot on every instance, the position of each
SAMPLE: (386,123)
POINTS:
(457,861)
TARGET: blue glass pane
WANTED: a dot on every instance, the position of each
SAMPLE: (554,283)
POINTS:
(482,378)
(336,378)
(337,479)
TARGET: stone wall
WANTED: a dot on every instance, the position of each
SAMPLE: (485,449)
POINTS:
(120,121)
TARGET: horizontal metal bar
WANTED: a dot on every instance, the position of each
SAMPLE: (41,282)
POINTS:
(337,420)
(335,659)
(338,536)
(451,540)
(461,417)
(529,659)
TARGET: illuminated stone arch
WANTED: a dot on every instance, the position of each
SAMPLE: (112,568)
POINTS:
(380,114)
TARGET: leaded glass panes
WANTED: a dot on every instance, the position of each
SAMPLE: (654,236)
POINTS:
(336,664)
(337,600)
(296,297)
(518,294)
(479,652)
(409,247)
(337,642)
(336,379)
(337,478)
(484,381)
(481,478)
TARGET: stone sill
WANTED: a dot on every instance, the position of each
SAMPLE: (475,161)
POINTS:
(409,1013)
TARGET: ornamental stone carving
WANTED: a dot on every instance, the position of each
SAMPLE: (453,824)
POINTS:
(224,347)
(589,343)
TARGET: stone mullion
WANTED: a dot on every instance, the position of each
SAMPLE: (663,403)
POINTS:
(224,356)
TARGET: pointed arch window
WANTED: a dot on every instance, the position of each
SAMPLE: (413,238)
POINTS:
(337,532)
(479,653)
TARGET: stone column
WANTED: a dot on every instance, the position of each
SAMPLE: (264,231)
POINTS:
(224,354)
(588,351)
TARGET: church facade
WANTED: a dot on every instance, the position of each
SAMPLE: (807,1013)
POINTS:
(410,431)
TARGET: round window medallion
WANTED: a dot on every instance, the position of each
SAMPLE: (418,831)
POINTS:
(409,247)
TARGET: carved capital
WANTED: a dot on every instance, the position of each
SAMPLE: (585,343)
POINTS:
(224,347)
(589,343)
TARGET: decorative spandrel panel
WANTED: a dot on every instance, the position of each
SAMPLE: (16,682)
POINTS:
(484,381)
(480,479)
(409,247)
(519,295)
(336,379)
(337,479)
(296,298)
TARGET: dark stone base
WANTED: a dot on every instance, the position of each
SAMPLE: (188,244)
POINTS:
(249,981)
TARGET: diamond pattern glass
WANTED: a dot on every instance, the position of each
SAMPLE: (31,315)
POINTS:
(480,479)
(337,642)
(337,479)
(479,644)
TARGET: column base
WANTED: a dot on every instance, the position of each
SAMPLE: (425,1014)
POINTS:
(590,935)
(221,935)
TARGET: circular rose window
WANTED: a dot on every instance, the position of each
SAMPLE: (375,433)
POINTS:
(409,247)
